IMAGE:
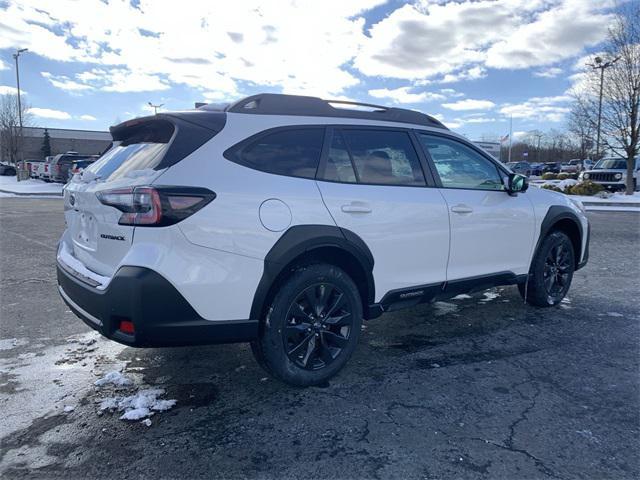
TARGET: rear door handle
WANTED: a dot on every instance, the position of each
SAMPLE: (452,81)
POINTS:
(356,208)
(460,208)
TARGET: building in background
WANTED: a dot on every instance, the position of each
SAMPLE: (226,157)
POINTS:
(492,148)
(89,142)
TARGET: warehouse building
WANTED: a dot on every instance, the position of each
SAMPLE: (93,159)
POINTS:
(89,142)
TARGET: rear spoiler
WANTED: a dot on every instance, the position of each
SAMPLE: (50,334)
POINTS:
(183,131)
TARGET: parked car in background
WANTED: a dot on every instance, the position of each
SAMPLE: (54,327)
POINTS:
(551,167)
(262,222)
(611,173)
(60,165)
(587,164)
(45,172)
(524,168)
(7,170)
(32,167)
(77,166)
(536,169)
(572,166)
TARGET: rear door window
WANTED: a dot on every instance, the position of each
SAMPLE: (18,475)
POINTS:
(377,157)
(294,152)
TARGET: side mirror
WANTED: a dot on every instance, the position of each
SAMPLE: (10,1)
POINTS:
(517,183)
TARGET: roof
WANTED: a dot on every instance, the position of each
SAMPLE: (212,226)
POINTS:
(67,133)
(279,104)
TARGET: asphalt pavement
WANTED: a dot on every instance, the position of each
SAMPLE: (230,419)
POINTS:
(480,387)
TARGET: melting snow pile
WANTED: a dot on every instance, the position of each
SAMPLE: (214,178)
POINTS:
(142,404)
(488,296)
(444,308)
(113,378)
(462,296)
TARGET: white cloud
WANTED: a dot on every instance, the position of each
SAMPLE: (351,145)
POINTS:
(88,118)
(7,90)
(3,65)
(469,104)
(473,73)
(49,113)
(450,92)
(403,95)
(550,72)
(113,80)
(542,109)
(455,41)
(555,34)
(65,83)
(480,120)
(150,47)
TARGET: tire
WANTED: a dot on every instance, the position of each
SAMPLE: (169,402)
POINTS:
(312,326)
(551,271)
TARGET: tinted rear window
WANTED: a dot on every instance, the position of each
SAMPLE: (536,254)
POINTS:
(293,152)
(383,157)
(140,147)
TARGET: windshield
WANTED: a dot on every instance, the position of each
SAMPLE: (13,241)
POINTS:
(611,164)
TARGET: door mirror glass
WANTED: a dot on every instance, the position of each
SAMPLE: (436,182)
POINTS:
(517,183)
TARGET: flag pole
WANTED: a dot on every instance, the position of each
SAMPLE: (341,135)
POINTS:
(510,135)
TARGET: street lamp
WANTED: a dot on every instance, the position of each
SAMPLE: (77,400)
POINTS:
(600,64)
(155,107)
(538,136)
(15,57)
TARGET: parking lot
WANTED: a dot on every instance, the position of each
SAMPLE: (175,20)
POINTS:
(478,387)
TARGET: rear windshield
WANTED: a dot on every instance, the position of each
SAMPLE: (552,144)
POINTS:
(139,147)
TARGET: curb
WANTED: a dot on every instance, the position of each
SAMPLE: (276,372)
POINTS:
(35,194)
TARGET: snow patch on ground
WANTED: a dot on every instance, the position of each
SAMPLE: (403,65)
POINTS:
(26,187)
(489,296)
(10,343)
(444,308)
(113,378)
(138,406)
(462,296)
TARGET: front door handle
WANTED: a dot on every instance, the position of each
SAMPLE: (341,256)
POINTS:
(356,208)
(461,208)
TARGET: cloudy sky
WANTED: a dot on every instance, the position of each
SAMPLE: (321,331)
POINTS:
(92,63)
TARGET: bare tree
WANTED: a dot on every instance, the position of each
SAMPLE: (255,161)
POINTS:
(620,89)
(10,140)
(581,127)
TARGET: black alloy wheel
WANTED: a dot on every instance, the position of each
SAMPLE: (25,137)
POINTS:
(551,271)
(557,268)
(317,327)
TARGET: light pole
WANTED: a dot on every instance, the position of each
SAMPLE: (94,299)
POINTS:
(538,136)
(155,107)
(599,64)
(15,57)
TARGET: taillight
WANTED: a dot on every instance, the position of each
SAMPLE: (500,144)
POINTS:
(156,206)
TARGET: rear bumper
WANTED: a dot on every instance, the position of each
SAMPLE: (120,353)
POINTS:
(160,314)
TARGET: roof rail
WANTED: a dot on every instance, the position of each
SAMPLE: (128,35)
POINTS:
(280,104)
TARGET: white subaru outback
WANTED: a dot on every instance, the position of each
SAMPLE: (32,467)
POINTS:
(285,221)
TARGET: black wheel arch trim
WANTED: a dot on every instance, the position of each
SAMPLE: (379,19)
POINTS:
(554,215)
(301,239)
